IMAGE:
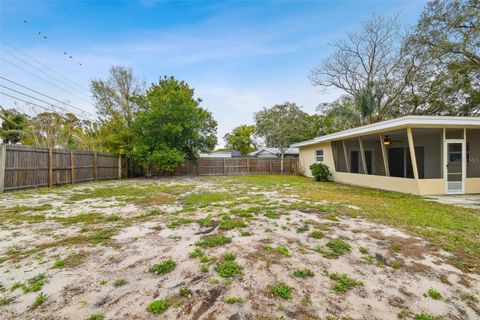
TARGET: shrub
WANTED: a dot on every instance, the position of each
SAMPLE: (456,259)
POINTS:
(158,306)
(320,171)
(281,290)
(164,267)
(229,269)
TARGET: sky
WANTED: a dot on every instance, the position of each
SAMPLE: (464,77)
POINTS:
(239,56)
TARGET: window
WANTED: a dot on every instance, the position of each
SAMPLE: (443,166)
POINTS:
(319,156)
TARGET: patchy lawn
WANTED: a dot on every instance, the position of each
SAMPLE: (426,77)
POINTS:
(245,247)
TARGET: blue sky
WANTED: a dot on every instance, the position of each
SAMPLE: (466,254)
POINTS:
(240,56)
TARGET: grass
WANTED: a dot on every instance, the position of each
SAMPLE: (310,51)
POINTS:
(231,224)
(213,241)
(344,282)
(425,316)
(158,306)
(164,267)
(281,290)
(185,292)
(270,213)
(317,234)
(445,225)
(207,198)
(33,284)
(283,251)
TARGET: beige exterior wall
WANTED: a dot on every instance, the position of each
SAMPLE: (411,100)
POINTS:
(379,182)
(431,186)
(307,157)
(472,185)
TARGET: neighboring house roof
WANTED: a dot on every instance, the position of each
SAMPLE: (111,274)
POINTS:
(413,121)
(276,151)
(222,154)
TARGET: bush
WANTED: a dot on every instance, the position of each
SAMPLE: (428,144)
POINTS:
(320,171)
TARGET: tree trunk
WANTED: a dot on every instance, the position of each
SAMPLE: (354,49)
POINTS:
(281,161)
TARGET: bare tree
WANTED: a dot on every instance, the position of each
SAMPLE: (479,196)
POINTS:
(373,56)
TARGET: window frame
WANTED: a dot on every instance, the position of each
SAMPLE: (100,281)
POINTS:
(317,156)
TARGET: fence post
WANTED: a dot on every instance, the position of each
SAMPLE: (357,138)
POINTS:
(270,164)
(248,165)
(95,166)
(119,167)
(3,156)
(223,166)
(50,167)
(72,167)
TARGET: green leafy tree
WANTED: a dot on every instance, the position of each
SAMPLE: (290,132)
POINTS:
(14,125)
(115,100)
(171,126)
(339,115)
(241,139)
(282,125)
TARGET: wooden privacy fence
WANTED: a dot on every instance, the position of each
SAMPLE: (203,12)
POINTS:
(235,166)
(23,167)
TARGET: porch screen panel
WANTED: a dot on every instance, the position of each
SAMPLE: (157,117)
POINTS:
(353,155)
(473,153)
(373,154)
(398,154)
(339,156)
(428,152)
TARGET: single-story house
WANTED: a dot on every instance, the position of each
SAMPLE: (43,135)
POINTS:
(424,155)
(274,153)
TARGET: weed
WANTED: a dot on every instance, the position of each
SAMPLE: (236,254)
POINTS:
(271,214)
(434,294)
(205,222)
(344,282)
(185,292)
(363,250)
(214,281)
(196,253)
(317,234)
(178,222)
(245,234)
(119,282)
(227,282)
(102,236)
(164,267)
(213,241)
(158,306)
(229,256)
(232,300)
(39,300)
(334,249)
(305,273)
(396,247)
(280,290)
(229,269)
(204,259)
(96,317)
(304,228)
(113,218)
(283,251)
(231,224)
(33,284)
(204,268)
(305,302)
(103,282)
(59,263)
(425,316)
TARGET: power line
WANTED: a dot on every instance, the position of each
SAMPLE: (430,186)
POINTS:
(29,102)
(43,101)
(48,74)
(43,79)
(44,65)
(46,96)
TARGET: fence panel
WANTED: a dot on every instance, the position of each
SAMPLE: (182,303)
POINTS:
(23,167)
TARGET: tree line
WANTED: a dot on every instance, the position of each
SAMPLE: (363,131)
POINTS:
(384,70)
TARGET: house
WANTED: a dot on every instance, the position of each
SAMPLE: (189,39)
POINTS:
(216,154)
(422,155)
(274,153)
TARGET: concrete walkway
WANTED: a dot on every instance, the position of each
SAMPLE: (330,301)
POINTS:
(462,200)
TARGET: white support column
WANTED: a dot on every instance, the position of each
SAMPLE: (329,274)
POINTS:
(413,157)
(346,156)
(384,155)
(362,153)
